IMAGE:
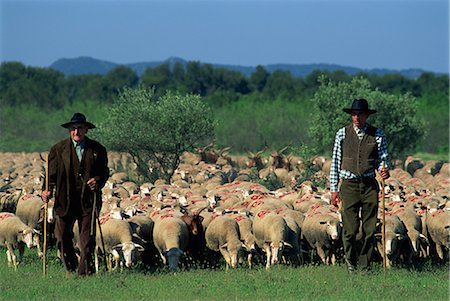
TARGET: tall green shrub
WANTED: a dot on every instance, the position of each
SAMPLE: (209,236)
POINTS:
(156,131)
(397,115)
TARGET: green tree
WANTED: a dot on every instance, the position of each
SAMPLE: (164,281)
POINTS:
(258,79)
(156,131)
(159,78)
(397,115)
(118,78)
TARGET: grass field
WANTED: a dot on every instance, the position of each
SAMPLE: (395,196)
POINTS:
(280,283)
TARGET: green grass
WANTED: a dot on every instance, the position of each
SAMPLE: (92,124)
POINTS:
(279,283)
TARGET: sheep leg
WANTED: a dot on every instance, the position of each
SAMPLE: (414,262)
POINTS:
(21,247)
(321,254)
(11,257)
(269,256)
(8,255)
(37,242)
(227,257)
(440,251)
(250,260)
(164,260)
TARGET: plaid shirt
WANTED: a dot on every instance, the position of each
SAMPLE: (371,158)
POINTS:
(337,173)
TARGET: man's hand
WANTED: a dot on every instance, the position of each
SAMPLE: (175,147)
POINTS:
(46,195)
(92,183)
(384,173)
(335,200)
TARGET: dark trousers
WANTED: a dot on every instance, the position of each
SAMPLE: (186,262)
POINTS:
(359,210)
(64,235)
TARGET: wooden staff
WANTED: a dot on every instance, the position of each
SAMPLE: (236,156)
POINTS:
(44,247)
(383,219)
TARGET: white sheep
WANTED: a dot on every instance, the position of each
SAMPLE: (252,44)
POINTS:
(30,209)
(222,235)
(117,237)
(272,235)
(413,224)
(294,220)
(322,231)
(438,226)
(246,235)
(171,237)
(396,239)
(13,234)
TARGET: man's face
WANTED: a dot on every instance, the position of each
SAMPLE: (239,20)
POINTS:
(78,131)
(359,118)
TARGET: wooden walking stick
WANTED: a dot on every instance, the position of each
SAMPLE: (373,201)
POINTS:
(383,219)
(44,247)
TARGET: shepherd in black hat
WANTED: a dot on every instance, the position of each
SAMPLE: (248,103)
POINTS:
(359,150)
(77,171)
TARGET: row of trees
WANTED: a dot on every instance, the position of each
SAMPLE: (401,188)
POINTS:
(261,111)
(48,88)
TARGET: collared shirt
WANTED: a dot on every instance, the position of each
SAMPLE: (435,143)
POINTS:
(337,173)
(79,149)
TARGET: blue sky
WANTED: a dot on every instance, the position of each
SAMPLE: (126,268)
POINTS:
(396,34)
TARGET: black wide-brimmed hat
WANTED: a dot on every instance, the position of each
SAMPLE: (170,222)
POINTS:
(359,105)
(78,118)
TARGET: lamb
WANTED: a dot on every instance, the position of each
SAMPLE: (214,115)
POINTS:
(30,210)
(13,234)
(222,235)
(271,233)
(171,237)
(322,231)
(117,236)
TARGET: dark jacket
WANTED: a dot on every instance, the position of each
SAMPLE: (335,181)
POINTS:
(62,176)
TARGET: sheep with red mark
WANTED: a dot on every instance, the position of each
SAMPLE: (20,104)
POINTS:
(396,238)
(30,209)
(245,224)
(171,237)
(322,230)
(413,224)
(438,226)
(259,202)
(222,235)
(14,234)
(117,239)
(272,234)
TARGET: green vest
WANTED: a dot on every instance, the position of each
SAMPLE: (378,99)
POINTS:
(359,156)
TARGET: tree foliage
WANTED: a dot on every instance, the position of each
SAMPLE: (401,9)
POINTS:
(397,115)
(156,131)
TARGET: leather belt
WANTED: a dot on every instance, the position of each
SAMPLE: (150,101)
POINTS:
(358,180)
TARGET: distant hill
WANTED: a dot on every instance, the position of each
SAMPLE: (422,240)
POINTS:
(88,65)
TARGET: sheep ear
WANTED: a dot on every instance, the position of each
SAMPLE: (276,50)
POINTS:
(37,231)
(399,236)
(224,246)
(138,247)
(286,244)
(118,246)
(423,238)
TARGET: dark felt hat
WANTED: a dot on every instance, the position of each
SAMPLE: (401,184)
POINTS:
(78,118)
(359,105)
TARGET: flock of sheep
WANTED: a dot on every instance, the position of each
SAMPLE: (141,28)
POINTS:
(215,208)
